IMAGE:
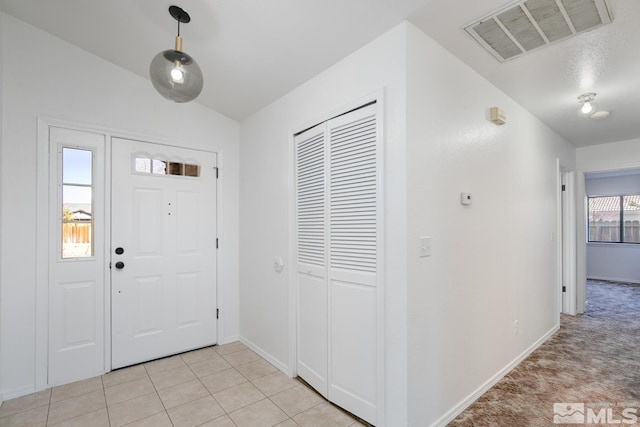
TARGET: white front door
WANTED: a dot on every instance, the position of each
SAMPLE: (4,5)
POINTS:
(163,251)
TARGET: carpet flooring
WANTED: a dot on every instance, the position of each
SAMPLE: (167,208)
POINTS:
(588,373)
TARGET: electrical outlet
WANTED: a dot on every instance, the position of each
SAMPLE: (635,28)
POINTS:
(465,198)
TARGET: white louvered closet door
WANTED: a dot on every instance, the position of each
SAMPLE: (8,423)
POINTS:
(353,262)
(311,249)
(344,305)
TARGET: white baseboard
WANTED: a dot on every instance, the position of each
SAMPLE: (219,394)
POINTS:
(17,392)
(460,407)
(266,356)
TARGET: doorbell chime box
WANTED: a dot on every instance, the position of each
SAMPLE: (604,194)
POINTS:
(497,116)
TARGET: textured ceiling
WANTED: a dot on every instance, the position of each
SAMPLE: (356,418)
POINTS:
(252,52)
(548,81)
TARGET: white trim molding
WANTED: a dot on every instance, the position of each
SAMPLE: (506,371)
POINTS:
(464,404)
(41,381)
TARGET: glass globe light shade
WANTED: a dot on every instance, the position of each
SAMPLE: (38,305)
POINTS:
(176,76)
(587,108)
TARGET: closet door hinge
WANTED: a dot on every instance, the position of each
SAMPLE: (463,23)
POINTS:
(217,243)
(217,172)
(217,313)
(564,187)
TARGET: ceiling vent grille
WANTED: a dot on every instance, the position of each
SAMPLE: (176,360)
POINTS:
(527,25)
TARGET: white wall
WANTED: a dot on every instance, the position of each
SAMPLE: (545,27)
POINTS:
(609,157)
(494,262)
(452,329)
(51,78)
(616,261)
(612,185)
(266,182)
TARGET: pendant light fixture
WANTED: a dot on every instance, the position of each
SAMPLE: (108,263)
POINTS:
(587,107)
(174,74)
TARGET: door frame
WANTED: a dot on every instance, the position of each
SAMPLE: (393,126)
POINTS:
(566,240)
(378,98)
(43,232)
(582,226)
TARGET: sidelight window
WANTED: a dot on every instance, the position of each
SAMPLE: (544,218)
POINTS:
(77,203)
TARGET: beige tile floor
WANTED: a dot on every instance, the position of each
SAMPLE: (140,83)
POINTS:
(220,386)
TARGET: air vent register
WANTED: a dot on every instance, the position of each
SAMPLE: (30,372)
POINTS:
(527,25)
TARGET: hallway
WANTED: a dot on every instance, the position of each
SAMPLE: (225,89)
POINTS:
(592,360)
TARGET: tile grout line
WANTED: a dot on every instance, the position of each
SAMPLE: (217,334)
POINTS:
(158,395)
(127,381)
(106,405)
(208,391)
(46,421)
(248,380)
(235,368)
(74,397)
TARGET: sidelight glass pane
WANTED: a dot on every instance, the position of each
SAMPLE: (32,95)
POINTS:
(631,215)
(77,203)
(76,166)
(604,219)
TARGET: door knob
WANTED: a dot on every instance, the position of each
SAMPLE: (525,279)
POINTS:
(119,265)
(119,251)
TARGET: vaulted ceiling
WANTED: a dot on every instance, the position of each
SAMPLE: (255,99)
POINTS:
(252,51)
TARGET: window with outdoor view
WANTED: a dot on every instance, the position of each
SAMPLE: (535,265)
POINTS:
(77,203)
(614,219)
